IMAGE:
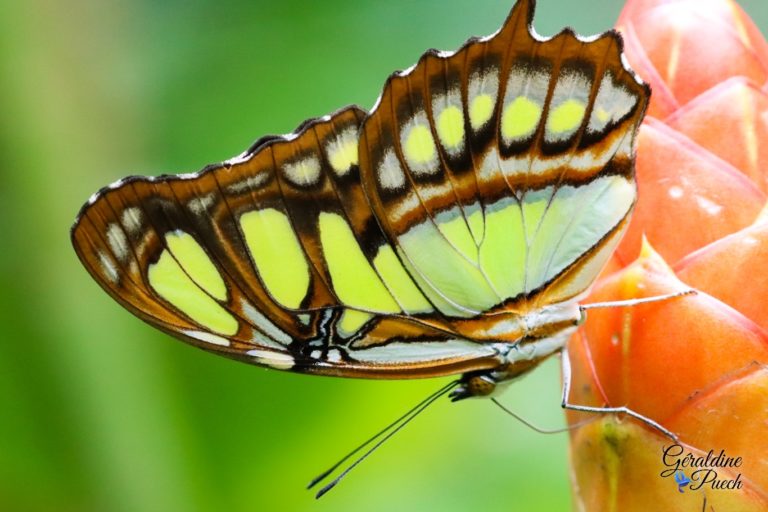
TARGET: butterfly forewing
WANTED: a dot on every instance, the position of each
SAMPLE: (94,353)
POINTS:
(267,258)
(486,184)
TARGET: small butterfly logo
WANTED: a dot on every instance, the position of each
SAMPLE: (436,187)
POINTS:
(681,480)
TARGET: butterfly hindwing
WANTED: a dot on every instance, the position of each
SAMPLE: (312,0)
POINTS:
(512,159)
(486,184)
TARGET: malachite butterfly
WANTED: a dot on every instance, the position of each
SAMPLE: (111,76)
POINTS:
(453,229)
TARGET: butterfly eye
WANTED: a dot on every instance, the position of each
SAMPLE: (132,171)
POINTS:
(474,384)
(481,385)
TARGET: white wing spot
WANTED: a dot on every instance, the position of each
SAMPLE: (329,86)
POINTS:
(277,360)
(207,337)
(263,323)
(342,151)
(391,175)
(200,205)
(131,219)
(117,241)
(108,268)
(613,102)
(303,172)
(249,183)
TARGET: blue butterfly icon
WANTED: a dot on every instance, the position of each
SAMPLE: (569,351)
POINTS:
(681,480)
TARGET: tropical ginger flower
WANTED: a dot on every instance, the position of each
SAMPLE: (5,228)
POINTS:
(697,364)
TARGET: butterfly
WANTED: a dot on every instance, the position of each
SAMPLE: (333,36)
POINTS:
(453,229)
(681,480)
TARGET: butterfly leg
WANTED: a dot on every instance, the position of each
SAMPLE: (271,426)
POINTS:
(566,364)
(636,302)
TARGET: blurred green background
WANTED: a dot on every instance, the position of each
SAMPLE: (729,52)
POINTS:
(100,412)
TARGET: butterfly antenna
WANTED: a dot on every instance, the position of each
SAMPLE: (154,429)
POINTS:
(539,429)
(389,430)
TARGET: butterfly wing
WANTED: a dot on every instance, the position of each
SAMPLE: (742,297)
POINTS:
(492,180)
(263,258)
(513,160)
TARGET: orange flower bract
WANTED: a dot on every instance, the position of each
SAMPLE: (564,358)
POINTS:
(698,364)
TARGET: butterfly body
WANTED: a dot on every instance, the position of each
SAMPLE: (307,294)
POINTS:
(452,229)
